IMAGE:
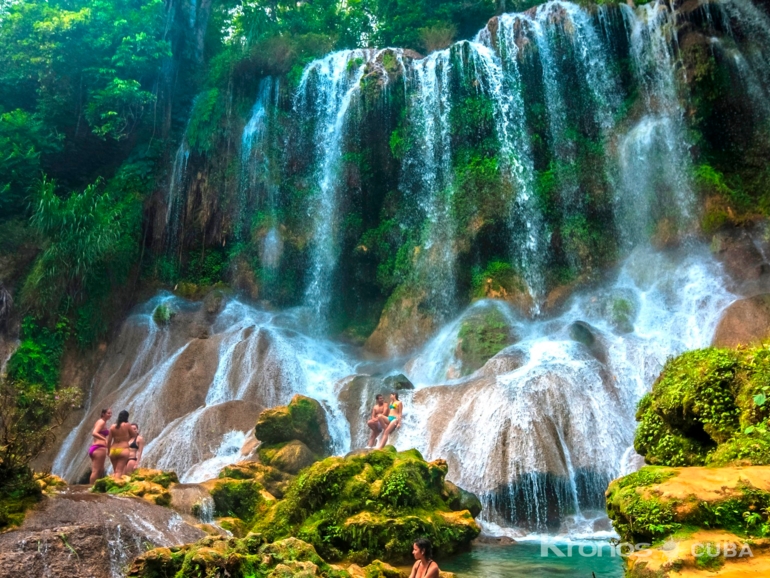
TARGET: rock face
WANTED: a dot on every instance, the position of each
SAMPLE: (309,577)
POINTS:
(728,504)
(77,534)
(745,322)
(742,250)
(304,419)
(405,324)
(357,399)
(482,335)
(708,407)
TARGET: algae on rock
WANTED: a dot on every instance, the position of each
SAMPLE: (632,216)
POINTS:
(304,419)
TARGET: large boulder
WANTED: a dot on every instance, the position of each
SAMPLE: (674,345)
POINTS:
(744,322)
(371,505)
(708,407)
(76,534)
(405,324)
(694,521)
(289,457)
(482,334)
(304,419)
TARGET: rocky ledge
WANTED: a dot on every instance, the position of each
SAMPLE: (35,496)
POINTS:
(698,521)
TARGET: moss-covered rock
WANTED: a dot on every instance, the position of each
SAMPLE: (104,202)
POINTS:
(290,457)
(459,499)
(238,558)
(482,334)
(243,499)
(304,419)
(151,485)
(271,479)
(693,519)
(708,406)
(657,502)
(371,505)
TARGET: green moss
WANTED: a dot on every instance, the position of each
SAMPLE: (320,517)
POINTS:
(704,408)
(481,336)
(238,498)
(640,512)
(303,419)
(369,506)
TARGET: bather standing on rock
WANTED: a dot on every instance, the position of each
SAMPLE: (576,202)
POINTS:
(380,408)
(98,450)
(117,444)
(392,420)
(135,450)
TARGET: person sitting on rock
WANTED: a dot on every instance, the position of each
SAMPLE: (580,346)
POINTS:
(135,449)
(392,420)
(380,408)
(425,567)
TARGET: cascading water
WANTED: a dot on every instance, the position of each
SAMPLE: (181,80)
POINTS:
(427,171)
(326,92)
(654,157)
(539,430)
(257,191)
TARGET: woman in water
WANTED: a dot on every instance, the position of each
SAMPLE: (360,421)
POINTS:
(98,450)
(392,420)
(135,449)
(425,567)
(117,444)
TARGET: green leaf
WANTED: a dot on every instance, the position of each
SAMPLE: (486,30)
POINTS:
(760,399)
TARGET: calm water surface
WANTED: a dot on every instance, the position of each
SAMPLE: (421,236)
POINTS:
(524,559)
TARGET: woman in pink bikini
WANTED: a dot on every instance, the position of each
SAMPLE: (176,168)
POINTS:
(98,450)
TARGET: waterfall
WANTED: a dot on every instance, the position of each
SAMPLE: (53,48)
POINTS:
(427,175)
(326,92)
(257,191)
(654,156)
(541,428)
(176,187)
(540,439)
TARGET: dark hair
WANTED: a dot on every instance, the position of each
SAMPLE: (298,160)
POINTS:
(378,396)
(136,425)
(104,412)
(122,418)
(396,394)
(425,547)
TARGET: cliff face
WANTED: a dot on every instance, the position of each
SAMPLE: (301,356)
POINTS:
(517,164)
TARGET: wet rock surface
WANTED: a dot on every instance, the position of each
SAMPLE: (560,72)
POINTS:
(745,322)
(77,534)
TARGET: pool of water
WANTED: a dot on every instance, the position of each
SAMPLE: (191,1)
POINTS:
(527,559)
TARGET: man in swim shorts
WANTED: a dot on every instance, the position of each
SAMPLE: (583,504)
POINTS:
(380,407)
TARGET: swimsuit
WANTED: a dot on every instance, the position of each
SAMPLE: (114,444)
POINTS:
(392,417)
(94,447)
(116,452)
(133,446)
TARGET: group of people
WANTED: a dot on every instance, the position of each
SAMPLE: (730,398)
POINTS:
(384,419)
(120,441)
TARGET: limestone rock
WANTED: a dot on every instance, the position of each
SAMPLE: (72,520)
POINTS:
(75,534)
(459,499)
(405,324)
(374,503)
(482,334)
(714,505)
(151,485)
(290,457)
(304,419)
(398,382)
(744,322)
